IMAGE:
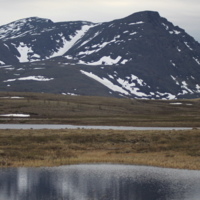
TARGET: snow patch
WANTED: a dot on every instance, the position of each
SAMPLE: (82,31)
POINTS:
(34,78)
(2,63)
(167,27)
(197,61)
(178,49)
(177,83)
(178,103)
(173,63)
(105,82)
(133,33)
(15,115)
(73,39)
(131,87)
(140,22)
(23,49)
(186,44)
(105,60)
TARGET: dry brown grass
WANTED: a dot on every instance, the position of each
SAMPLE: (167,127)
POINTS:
(59,109)
(174,149)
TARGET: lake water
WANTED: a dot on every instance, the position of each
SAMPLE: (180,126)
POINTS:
(99,182)
(62,126)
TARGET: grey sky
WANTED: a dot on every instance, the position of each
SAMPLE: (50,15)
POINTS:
(184,13)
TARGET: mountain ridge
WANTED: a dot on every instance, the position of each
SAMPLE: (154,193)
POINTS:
(140,56)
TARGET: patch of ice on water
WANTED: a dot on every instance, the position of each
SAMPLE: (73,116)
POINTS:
(2,63)
(105,82)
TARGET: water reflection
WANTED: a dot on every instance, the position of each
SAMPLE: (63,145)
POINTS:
(99,182)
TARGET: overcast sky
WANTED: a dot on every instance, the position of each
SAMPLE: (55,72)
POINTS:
(184,13)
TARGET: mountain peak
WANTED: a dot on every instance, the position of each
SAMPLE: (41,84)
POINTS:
(140,56)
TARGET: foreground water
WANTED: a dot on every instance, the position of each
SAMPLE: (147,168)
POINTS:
(62,126)
(99,182)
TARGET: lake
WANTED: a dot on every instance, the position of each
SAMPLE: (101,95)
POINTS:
(67,126)
(99,182)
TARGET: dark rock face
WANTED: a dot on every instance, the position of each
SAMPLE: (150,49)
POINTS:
(140,56)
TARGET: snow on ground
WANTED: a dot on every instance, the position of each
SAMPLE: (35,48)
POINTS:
(107,60)
(165,95)
(184,86)
(197,61)
(97,47)
(131,87)
(15,115)
(178,103)
(167,27)
(6,66)
(177,83)
(14,97)
(133,33)
(33,78)
(124,61)
(140,22)
(178,49)
(23,49)
(198,88)
(105,82)
(186,44)
(172,63)
(73,39)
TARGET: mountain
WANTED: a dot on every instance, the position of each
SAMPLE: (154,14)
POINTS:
(140,56)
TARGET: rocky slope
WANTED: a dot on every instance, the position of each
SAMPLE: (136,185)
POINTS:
(140,56)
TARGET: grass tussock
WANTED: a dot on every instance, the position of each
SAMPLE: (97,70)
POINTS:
(174,149)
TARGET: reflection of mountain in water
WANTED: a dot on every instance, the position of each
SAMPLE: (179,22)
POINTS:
(98,182)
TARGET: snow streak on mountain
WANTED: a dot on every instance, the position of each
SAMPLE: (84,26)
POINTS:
(140,56)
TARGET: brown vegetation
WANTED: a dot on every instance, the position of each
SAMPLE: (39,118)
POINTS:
(83,110)
(174,149)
